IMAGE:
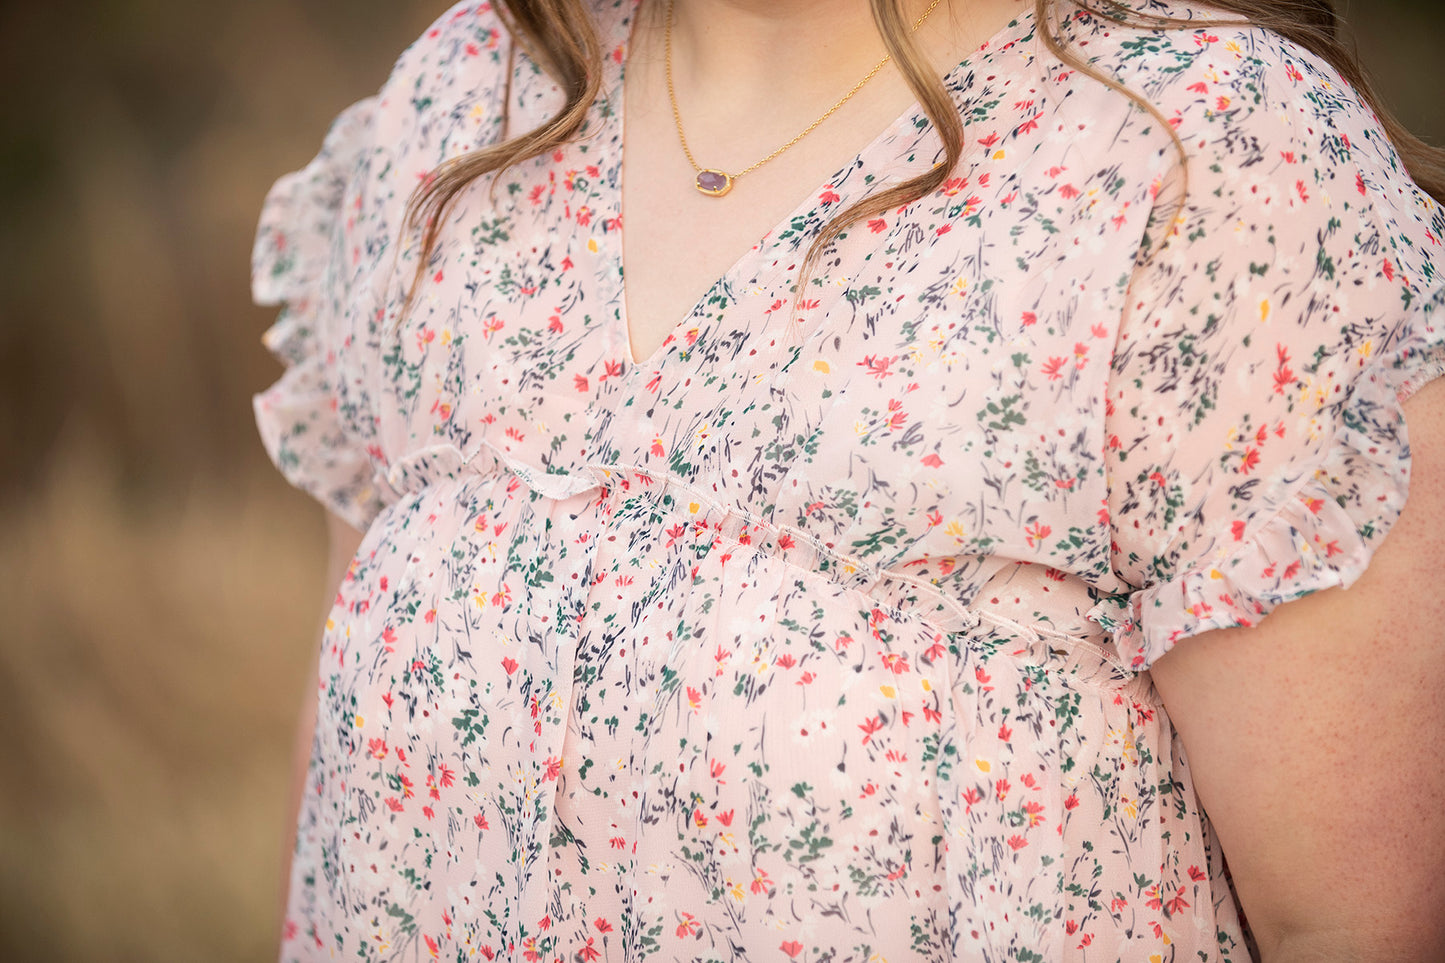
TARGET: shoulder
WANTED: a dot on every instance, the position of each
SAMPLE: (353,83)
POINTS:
(1270,131)
(448,85)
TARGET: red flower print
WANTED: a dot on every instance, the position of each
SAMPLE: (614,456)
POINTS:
(877,366)
(393,804)
(481,821)
(1036,533)
(792,948)
(1052,367)
(1017,843)
(689,925)
(602,925)
(1283,375)
(870,727)
(894,662)
(1176,904)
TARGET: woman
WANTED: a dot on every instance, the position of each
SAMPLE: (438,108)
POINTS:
(833,596)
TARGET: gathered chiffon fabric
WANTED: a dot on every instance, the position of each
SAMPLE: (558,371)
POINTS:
(828,643)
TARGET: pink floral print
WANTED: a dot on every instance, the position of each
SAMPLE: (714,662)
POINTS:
(835,646)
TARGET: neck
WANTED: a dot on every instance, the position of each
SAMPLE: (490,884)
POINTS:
(758,46)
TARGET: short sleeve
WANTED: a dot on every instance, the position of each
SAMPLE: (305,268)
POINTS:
(1256,444)
(300,263)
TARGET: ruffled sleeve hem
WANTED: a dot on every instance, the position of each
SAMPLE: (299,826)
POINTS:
(299,263)
(1321,536)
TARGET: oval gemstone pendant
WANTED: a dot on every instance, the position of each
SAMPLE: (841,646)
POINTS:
(714,183)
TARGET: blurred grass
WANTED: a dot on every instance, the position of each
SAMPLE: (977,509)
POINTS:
(160,585)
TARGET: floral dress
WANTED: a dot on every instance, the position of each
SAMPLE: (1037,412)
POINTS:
(831,642)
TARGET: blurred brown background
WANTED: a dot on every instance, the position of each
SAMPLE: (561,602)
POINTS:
(160,586)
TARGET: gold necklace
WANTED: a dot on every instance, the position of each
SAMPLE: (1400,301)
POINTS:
(716,183)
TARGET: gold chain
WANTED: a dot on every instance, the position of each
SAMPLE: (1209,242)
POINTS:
(729,178)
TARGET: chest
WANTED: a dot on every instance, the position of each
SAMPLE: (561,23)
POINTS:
(679,243)
(945,399)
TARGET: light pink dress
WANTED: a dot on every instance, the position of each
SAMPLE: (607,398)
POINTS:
(830,646)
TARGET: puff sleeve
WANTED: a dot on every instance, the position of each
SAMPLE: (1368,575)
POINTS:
(301,262)
(1256,446)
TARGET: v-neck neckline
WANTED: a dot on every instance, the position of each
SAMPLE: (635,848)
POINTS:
(615,118)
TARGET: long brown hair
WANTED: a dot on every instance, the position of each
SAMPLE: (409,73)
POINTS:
(561,37)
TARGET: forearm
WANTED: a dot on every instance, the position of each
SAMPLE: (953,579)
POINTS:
(1354,945)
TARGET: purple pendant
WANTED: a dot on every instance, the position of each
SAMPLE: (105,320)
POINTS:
(714,183)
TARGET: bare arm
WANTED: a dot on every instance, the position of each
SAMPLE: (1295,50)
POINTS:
(1315,743)
(344,541)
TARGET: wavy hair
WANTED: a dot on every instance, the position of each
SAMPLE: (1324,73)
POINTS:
(561,37)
